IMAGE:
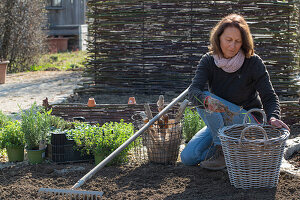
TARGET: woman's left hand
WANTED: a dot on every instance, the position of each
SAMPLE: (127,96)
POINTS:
(278,123)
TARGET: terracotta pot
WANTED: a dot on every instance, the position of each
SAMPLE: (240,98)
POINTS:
(3,66)
(91,102)
(131,100)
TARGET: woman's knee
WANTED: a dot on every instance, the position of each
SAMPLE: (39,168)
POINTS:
(188,158)
(192,153)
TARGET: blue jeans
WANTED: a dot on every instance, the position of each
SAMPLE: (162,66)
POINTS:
(201,146)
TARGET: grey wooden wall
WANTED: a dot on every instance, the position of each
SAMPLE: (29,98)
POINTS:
(72,12)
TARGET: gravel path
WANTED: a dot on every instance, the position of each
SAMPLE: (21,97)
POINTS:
(21,90)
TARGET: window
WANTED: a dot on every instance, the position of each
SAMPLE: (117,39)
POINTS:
(56,3)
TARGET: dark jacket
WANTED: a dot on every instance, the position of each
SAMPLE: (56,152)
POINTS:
(249,87)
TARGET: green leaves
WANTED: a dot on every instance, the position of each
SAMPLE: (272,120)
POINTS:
(59,123)
(35,126)
(4,119)
(12,136)
(105,139)
(192,123)
(8,132)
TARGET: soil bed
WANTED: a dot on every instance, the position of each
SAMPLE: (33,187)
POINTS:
(295,160)
(148,181)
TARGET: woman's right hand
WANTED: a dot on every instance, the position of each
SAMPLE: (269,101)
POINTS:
(278,123)
(214,105)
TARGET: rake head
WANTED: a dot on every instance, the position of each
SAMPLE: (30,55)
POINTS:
(70,194)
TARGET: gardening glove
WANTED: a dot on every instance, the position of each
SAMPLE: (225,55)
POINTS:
(214,105)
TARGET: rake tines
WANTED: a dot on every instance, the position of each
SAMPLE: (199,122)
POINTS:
(70,194)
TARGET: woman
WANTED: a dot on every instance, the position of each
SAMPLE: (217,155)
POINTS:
(237,81)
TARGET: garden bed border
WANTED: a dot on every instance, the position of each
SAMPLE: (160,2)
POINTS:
(102,113)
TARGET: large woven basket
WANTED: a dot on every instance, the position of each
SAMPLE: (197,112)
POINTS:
(162,142)
(253,153)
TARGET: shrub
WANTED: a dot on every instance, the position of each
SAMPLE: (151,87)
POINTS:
(35,125)
(105,139)
(114,135)
(59,123)
(4,119)
(12,136)
(192,123)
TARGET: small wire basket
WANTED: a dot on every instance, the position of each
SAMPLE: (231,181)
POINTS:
(253,153)
(162,142)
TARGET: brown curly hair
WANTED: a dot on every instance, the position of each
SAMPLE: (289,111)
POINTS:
(232,20)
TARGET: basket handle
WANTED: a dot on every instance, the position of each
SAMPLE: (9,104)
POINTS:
(258,128)
(256,110)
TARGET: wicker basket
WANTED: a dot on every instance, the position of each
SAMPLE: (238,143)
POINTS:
(162,142)
(253,153)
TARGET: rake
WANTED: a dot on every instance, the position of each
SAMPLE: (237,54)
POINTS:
(83,194)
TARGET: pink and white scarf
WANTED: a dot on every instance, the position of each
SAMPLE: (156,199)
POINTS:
(230,65)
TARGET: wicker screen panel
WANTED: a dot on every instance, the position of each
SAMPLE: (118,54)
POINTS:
(152,47)
(102,113)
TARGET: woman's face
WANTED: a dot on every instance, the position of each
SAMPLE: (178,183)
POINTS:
(231,41)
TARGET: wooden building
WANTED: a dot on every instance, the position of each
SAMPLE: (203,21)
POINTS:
(67,28)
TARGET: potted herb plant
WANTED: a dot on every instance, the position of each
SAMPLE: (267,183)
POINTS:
(35,126)
(12,138)
(102,141)
(111,136)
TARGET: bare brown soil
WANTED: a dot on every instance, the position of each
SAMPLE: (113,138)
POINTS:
(295,159)
(148,181)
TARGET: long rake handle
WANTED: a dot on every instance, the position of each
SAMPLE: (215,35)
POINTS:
(125,144)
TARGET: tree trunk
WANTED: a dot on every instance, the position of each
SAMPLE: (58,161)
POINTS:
(7,28)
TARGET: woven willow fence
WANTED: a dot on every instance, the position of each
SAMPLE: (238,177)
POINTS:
(103,113)
(153,47)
